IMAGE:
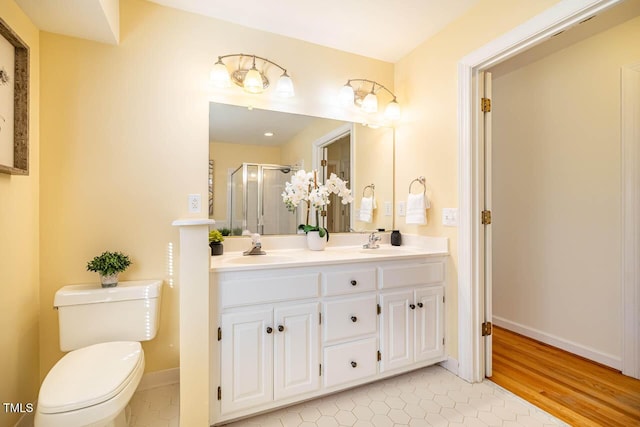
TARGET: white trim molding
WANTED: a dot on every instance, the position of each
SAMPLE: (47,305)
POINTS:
(630,176)
(560,17)
(561,343)
(450,365)
(159,379)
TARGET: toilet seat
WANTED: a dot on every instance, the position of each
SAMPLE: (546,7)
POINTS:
(90,376)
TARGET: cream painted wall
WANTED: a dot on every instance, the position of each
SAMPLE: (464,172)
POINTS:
(230,156)
(126,130)
(426,140)
(374,165)
(19,260)
(299,150)
(557,191)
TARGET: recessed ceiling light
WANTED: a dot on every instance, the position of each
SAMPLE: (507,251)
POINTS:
(268,134)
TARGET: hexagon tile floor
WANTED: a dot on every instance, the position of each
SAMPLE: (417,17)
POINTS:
(428,397)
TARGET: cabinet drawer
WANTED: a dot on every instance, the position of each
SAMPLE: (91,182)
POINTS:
(411,274)
(347,282)
(349,317)
(257,290)
(349,362)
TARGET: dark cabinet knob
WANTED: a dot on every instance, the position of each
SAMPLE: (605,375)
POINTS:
(354,282)
(269,329)
(420,304)
(412,306)
(280,328)
(354,364)
(354,319)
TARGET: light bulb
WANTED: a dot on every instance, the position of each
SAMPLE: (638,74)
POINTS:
(220,75)
(253,81)
(346,95)
(392,112)
(370,103)
(284,87)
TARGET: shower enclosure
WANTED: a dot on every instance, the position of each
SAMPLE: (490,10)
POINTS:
(255,200)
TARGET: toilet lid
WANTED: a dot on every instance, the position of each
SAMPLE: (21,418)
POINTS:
(89,376)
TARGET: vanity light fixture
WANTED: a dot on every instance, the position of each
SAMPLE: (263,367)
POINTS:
(365,97)
(248,76)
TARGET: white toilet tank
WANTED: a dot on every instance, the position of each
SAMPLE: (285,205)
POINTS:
(89,314)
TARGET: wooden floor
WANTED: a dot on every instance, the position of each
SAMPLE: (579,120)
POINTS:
(576,390)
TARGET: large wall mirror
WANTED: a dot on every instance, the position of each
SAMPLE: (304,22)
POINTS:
(253,153)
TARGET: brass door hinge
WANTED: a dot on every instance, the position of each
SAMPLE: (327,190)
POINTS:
(485,104)
(486,217)
(378,309)
(319,318)
(219,393)
(320,372)
(487,329)
(219,334)
(323,163)
(379,356)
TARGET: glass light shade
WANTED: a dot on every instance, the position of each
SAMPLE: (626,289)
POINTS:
(220,75)
(370,103)
(284,87)
(346,95)
(392,112)
(253,81)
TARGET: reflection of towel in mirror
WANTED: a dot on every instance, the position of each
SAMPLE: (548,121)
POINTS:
(367,205)
(416,209)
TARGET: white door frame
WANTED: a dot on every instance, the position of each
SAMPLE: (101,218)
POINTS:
(560,17)
(630,133)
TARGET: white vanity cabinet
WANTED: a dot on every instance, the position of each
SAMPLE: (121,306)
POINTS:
(268,354)
(412,314)
(291,334)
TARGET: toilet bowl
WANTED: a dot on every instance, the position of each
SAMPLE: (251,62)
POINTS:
(92,385)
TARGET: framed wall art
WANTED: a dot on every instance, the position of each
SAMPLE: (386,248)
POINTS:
(14,103)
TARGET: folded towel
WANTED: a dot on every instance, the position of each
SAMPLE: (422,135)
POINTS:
(367,204)
(416,209)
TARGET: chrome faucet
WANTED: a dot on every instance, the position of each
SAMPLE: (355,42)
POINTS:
(256,246)
(373,241)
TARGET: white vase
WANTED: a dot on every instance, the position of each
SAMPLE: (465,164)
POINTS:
(315,242)
(109,280)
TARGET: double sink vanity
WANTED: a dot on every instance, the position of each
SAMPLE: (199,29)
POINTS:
(296,324)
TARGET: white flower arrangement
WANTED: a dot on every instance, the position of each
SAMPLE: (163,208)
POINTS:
(304,187)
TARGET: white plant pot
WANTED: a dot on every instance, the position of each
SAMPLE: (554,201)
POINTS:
(109,280)
(315,242)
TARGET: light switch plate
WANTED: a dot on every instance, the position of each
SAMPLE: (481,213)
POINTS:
(402,209)
(388,208)
(195,202)
(450,217)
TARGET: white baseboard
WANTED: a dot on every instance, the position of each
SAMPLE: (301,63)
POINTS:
(561,343)
(450,365)
(27,419)
(159,378)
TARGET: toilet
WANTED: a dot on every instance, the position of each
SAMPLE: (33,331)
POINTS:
(101,328)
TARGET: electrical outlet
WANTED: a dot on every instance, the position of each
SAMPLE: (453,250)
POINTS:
(195,201)
(388,208)
(450,217)
(402,209)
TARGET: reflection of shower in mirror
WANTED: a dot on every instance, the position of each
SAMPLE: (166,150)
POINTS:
(255,201)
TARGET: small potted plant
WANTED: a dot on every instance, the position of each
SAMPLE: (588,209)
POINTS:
(215,242)
(108,265)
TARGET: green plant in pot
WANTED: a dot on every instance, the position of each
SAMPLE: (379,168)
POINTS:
(108,265)
(215,242)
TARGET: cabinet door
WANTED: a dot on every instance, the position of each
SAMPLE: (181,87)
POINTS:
(297,365)
(247,359)
(429,325)
(396,330)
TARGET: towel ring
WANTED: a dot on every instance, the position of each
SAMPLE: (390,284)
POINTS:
(422,181)
(372,187)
